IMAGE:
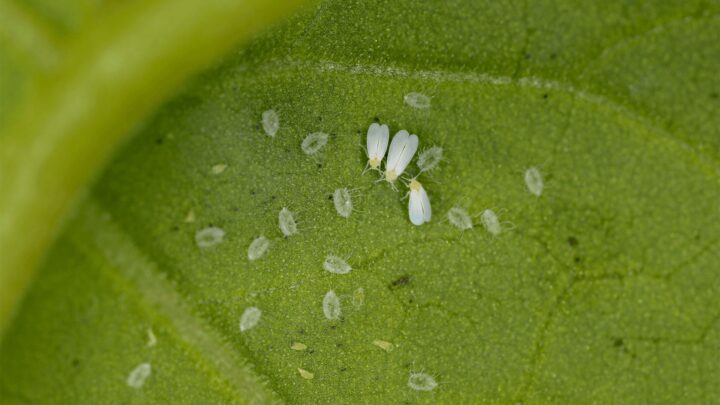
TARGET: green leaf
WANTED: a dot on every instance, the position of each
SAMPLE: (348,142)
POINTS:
(84,99)
(602,289)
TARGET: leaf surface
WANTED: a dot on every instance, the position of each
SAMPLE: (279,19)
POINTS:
(603,289)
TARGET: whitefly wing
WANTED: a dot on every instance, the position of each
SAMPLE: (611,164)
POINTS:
(378,137)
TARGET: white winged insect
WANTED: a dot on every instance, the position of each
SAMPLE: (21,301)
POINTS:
(378,137)
(402,150)
(419,208)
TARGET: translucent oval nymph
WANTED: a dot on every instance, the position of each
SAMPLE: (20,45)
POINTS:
(258,247)
(314,142)
(250,318)
(209,237)
(430,158)
(491,222)
(534,181)
(331,306)
(336,265)
(343,202)
(422,382)
(460,218)
(417,100)
(270,123)
(137,377)
(286,222)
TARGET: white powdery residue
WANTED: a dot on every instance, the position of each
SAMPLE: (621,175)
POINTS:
(139,375)
(209,237)
(534,181)
(314,142)
(258,247)
(460,218)
(430,158)
(286,222)
(343,202)
(417,100)
(491,222)
(422,382)
(270,122)
(250,318)
(331,306)
(336,265)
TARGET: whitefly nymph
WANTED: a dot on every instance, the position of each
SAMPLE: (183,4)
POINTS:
(337,265)
(331,306)
(402,150)
(312,143)
(343,202)
(430,158)
(419,209)
(534,181)
(270,123)
(378,137)
(422,382)
(491,222)
(287,223)
(460,218)
(258,247)
(250,318)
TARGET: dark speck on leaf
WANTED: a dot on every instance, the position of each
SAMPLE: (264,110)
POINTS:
(159,141)
(330,197)
(618,342)
(343,368)
(333,327)
(319,165)
(715,95)
(76,363)
(376,119)
(400,282)
(572,241)
(577,259)
(545,96)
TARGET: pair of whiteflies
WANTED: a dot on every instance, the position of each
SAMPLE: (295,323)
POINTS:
(400,154)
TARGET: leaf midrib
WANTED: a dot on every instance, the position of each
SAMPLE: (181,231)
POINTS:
(710,164)
(98,236)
